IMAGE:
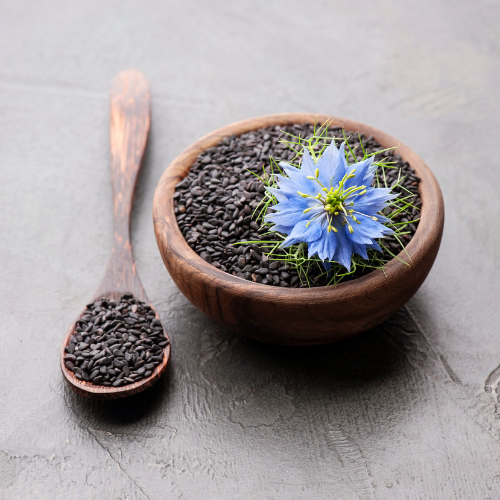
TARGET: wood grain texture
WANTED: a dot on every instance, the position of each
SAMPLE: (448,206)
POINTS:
(130,118)
(297,316)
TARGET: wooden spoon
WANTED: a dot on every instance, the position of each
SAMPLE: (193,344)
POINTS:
(130,117)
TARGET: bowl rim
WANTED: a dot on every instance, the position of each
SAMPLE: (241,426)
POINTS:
(175,246)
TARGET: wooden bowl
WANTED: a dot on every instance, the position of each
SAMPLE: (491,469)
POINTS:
(297,316)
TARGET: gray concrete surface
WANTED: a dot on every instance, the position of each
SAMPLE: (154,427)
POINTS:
(402,412)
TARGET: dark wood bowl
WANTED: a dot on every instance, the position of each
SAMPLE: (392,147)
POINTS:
(297,316)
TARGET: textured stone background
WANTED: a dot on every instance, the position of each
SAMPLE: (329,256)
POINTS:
(407,411)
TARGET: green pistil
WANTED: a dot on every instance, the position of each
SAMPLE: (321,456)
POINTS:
(334,201)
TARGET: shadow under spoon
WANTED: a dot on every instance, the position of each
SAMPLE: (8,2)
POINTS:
(130,117)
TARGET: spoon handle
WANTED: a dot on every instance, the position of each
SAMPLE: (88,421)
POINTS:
(130,118)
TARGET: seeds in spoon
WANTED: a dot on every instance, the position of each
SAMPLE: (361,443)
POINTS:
(116,343)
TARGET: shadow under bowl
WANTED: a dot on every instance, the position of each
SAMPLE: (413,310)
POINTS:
(297,316)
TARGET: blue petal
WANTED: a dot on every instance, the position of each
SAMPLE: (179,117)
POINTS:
(374,196)
(292,172)
(369,228)
(284,165)
(360,250)
(278,193)
(361,178)
(367,208)
(374,246)
(297,204)
(324,246)
(330,166)
(359,238)
(343,161)
(286,218)
(297,182)
(279,228)
(302,233)
(341,168)
(368,178)
(368,211)
(382,219)
(343,252)
(307,166)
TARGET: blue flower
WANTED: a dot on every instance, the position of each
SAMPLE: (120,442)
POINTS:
(331,206)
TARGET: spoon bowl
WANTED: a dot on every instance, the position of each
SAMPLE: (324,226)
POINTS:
(88,389)
(130,118)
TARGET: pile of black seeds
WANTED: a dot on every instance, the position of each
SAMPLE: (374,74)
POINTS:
(116,343)
(215,202)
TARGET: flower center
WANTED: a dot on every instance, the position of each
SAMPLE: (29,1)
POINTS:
(335,200)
